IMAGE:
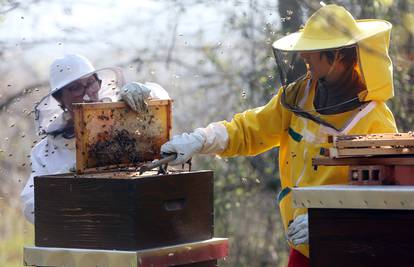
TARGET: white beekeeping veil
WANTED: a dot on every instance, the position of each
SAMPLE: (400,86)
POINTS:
(49,115)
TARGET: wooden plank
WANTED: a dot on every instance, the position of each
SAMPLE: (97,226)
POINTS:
(352,152)
(374,136)
(124,214)
(373,143)
(195,254)
(361,237)
(111,135)
(374,140)
(81,145)
(325,161)
(124,174)
(120,104)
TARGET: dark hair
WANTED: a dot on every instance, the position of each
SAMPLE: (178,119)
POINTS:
(349,56)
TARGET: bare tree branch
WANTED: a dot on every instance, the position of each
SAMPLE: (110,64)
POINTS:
(172,45)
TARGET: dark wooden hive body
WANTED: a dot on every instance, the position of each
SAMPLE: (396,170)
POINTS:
(111,212)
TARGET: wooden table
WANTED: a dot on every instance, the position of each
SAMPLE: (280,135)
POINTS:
(359,225)
(197,254)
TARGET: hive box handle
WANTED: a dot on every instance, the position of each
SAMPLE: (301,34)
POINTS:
(175,204)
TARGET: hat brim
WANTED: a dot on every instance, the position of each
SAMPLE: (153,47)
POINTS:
(297,42)
(114,69)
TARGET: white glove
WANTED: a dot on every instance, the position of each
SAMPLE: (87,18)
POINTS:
(212,139)
(185,145)
(135,94)
(298,230)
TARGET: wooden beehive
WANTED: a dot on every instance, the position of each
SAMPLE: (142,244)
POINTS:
(122,210)
(111,135)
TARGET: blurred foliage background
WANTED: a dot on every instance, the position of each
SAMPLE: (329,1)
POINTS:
(214,58)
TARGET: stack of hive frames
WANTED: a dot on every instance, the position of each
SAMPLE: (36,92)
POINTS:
(374,159)
(372,145)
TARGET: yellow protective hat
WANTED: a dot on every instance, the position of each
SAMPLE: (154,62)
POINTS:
(331,27)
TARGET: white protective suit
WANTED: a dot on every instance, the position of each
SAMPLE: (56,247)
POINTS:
(56,154)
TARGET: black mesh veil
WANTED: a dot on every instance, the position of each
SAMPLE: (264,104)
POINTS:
(293,74)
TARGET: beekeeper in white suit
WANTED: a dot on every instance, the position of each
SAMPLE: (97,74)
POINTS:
(73,79)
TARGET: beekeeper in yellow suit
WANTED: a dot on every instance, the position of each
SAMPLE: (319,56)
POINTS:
(348,80)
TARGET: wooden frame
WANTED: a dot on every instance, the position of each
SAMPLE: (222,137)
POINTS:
(362,151)
(111,135)
(371,145)
(374,140)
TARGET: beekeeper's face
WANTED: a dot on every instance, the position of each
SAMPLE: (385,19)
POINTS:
(317,64)
(80,91)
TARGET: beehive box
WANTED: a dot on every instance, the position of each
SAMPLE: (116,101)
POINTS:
(123,210)
(111,135)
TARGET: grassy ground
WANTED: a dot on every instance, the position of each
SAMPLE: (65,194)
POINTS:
(15,232)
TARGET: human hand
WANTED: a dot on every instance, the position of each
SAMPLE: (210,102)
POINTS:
(298,230)
(135,94)
(185,145)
